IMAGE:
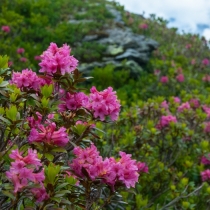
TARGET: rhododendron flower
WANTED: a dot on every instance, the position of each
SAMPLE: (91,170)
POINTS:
(164,104)
(125,170)
(104,103)
(205,62)
(22,59)
(73,101)
(130,20)
(157,72)
(20,50)
(184,106)
(143,26)
(180,78)
(40,194)
(177,100)
(207,127)
(48,134)
(22,170)
(205,160)
(206,110)
(57,60)
(194,103)
(165,121)
(206,78)
(164,79)
(37,57)
(193,61)
(205,175)
(27,79)
(5,29)
(188,46)
(10,63)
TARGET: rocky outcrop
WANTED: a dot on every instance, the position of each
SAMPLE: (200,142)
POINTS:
(121,45)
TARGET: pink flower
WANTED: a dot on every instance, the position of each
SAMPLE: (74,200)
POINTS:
(103,103)
(205,160)
(130,20)
(143,26)
(37,57)
(193,61)
(6,29)
(177,100)
(22,59)
(57,60)
(188,46)
(22,170)
(206,78)
(40,194)
(165,121)
(206,110)
(205,62)
(164,104)
(73,101)
(26,79)
(164,79)
(48,134)
(184,106)
(194,103)
(205,175)
(207,127)
(10,63)
(20,50)
(180,78)
(157,72)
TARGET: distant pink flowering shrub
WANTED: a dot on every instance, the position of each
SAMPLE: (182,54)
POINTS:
(183,106)
(57,60)
(37,57)
(22,59)
(164,79)
(143,26)
(205,175)
(20,50)
(180,78)
(206,78)
(205,62)
(205,160)
(6,29)
(165,121)
(207,127)
(177,100)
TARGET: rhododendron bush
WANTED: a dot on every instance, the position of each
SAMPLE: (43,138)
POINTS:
(48,153)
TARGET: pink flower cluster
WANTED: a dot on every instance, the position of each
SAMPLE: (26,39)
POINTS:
(164,79)
(73,101)
(57,60)
(27,79)
(22,173)
(180,78)
(6,29)
(206,78)
(207,127)
(89,163)
(206,109)
(143,26)
(20,50)
(205,175)
(49,134)
(205,62)
(205,160)
(184,106)
(104,103)
(165,121)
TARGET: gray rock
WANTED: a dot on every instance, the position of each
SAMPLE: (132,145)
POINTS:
(90,38)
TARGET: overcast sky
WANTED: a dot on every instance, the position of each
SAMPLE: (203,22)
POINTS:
(189,15)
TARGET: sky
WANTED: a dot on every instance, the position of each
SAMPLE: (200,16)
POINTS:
(190,16)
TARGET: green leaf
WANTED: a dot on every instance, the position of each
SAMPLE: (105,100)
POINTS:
(8,194)
(47,90)
(59,149)
(11,113)
(49,156)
